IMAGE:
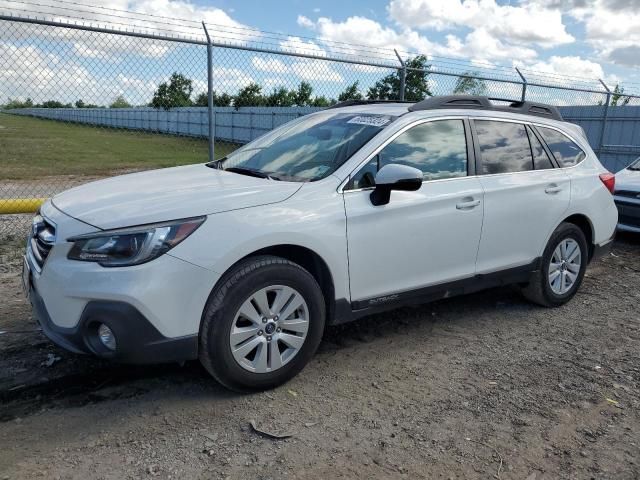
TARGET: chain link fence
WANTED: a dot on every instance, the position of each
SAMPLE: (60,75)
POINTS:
(83,102)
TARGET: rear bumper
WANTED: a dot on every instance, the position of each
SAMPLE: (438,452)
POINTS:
(137,340)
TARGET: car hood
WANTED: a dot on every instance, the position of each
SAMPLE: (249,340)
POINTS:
(168,194)
(628,180)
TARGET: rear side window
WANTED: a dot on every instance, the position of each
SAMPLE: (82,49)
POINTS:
(565,151)
(504,147)
(541,160)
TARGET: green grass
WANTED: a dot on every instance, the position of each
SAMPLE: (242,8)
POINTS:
(31,148)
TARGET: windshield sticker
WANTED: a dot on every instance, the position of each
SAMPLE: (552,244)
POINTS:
(371,121)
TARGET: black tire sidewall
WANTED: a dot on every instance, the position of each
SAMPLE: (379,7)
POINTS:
(563,232)
(222,363)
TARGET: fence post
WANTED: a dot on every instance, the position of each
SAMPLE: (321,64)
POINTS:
(604,118)
(403,75)
(212,123)
(524,84)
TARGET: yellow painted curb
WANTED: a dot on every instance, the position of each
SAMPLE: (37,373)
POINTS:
(20,205)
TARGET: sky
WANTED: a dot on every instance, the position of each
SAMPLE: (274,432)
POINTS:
(589,39)
(598,38)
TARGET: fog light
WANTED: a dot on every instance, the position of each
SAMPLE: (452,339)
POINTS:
(107,337)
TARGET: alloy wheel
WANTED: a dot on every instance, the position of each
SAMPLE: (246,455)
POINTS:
(564,266)
(269,329)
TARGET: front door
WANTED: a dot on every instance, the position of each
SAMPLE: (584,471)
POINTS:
(420,238)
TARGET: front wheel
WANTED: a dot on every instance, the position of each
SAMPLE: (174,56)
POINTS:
(563,264)
(262,324)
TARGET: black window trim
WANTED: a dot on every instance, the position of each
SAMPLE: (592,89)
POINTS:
(531,130)
(346,185)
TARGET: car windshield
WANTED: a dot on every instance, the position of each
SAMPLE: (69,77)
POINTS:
(308,149)
(635,165)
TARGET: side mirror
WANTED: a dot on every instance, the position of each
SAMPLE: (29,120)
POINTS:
(394,176)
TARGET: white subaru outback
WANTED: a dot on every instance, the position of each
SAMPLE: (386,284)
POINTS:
(356,209)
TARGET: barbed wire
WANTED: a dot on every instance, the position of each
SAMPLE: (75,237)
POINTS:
(238,35)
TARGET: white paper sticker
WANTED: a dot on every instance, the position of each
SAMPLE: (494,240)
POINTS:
(371,121)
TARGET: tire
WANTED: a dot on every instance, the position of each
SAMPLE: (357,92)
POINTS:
(541,289)
(224,314)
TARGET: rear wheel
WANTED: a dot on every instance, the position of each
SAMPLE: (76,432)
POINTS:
(562,268)
(262,324)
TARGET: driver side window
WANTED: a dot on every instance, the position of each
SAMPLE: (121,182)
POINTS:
(438,149)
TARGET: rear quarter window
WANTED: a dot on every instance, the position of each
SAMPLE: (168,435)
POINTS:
(565,151)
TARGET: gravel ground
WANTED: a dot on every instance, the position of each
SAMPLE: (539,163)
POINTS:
(484,386)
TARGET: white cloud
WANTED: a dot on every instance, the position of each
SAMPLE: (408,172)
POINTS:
(483,46)
(273,65)
(305,22)
(574,66)
(519,24)
(221,26)
(27,72)
(364,31)
(316,70)
(479,44)
(611,27)
(134,89)
(304,47)
(230,80)
(613,30)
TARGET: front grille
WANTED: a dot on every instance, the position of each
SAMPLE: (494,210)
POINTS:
(41,240)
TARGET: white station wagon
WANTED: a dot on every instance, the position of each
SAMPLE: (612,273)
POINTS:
(362,207)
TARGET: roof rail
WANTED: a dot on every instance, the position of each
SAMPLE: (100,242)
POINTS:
(484,103)
(350,103)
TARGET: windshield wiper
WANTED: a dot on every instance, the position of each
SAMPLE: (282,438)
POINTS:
(250,172)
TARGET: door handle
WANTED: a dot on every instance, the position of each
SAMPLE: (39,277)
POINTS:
(467,203)
(552,189)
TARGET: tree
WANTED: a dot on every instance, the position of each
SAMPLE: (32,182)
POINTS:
(54,104)
(467,84)
(176,93)
(281,97)
(617,97)
(12,104)
(416,83)
(350,93)
(322,101)
(222,100)
(120,102)
(249,96)
(302,96)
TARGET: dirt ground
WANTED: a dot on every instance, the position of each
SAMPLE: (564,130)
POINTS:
(484,386)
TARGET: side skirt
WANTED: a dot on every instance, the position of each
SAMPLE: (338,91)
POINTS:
(348,311)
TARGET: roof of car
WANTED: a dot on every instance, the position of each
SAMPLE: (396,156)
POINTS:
(452,102)
(387,108)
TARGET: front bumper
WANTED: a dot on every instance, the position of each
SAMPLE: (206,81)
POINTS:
(154,308)
(137,340)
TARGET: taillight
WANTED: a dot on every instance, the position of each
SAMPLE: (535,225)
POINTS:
(609,180)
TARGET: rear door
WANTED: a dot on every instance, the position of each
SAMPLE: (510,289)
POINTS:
(525,194)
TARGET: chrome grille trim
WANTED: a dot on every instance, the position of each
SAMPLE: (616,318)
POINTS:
(41,240)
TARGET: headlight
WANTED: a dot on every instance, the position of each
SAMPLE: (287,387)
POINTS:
(132,246)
